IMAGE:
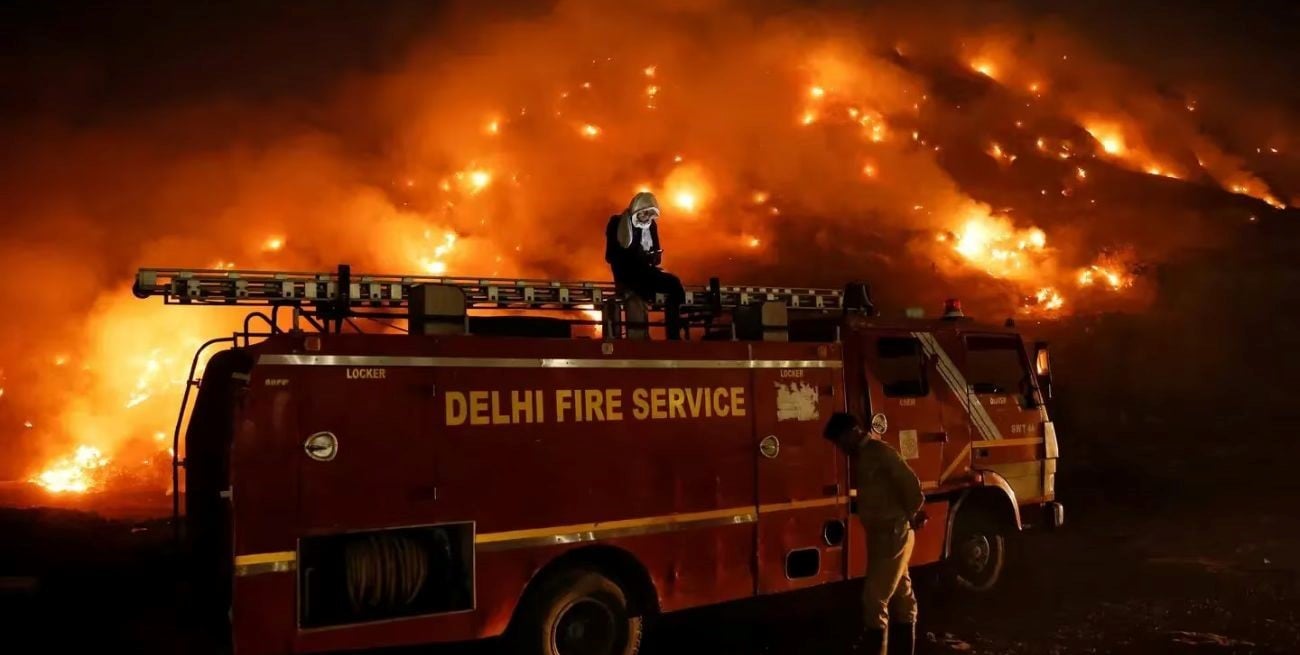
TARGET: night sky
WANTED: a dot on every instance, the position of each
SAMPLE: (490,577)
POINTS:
(86,60)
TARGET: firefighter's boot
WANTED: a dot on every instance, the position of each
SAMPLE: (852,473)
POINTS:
(902,638)
(870,642)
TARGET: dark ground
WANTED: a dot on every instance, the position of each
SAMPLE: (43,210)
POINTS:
(1195,564)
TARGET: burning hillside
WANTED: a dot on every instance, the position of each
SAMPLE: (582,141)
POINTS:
(1010,164)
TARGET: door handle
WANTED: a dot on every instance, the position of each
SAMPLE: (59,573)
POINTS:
(321,446)
(770,446)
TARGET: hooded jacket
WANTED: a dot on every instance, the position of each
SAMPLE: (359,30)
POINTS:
(623,243)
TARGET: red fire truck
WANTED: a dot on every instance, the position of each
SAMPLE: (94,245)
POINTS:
(493,471)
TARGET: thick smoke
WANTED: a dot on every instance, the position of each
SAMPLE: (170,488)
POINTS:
(787,147)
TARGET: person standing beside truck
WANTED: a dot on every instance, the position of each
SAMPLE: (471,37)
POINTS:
(889,501)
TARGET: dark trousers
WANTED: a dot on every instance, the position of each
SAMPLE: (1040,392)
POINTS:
(648,281)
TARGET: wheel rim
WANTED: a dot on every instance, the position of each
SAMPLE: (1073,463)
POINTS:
(976,552)
(586,627)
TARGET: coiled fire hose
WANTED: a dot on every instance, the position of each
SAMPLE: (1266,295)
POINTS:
(385,572)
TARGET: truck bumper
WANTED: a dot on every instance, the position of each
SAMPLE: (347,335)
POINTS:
(1054,514)
(1048,515)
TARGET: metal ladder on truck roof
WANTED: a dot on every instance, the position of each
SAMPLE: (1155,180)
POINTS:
(238,287)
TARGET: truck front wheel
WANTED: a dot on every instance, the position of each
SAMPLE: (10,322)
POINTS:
(979,551)
(577,612)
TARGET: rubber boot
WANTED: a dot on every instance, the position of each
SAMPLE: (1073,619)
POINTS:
(870,642)
(902,638)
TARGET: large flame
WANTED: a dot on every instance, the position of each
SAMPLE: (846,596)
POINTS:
(77,474)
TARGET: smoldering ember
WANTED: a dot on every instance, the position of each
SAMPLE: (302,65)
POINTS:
(575,327)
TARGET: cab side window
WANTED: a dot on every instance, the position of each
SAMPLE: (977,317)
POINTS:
(995,364)
(901,367)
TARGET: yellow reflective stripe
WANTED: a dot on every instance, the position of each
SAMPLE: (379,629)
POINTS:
(610,526)
(802,504)
(930,484)
(1028,441)
(266,558)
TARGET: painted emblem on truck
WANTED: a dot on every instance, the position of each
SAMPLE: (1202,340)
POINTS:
(796,401)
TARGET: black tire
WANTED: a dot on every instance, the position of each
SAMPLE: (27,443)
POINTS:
(979,551)
(576,612)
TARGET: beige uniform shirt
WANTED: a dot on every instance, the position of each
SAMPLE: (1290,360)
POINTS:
(888,490)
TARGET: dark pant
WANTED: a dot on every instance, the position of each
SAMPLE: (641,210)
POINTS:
(648,281)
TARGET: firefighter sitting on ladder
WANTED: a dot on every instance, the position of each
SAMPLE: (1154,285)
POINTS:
(633,252)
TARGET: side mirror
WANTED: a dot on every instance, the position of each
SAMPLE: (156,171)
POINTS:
(1043,368)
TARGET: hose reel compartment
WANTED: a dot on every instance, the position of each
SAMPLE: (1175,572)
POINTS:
(376,575)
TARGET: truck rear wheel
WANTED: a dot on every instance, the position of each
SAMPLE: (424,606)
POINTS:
(979,551)
(577,612)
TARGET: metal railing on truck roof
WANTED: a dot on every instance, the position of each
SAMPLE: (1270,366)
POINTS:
(268,288)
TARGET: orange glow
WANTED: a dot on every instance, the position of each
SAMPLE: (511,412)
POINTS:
(273,244)
(992,244)
(649,71)
(78,473)
(590,131)
(1258,190)
(479,180)
(1080,173)
(1100,274)
(984,67)
(1049,299)
(1156,170)
(817,92)
(869,170)
(1123,141)
(1108,135)
(1001,156)
(687,188)
(493,127)
(760,197)
(808,118)
(437,264)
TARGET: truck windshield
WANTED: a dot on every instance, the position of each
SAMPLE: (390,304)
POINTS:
(995,364)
